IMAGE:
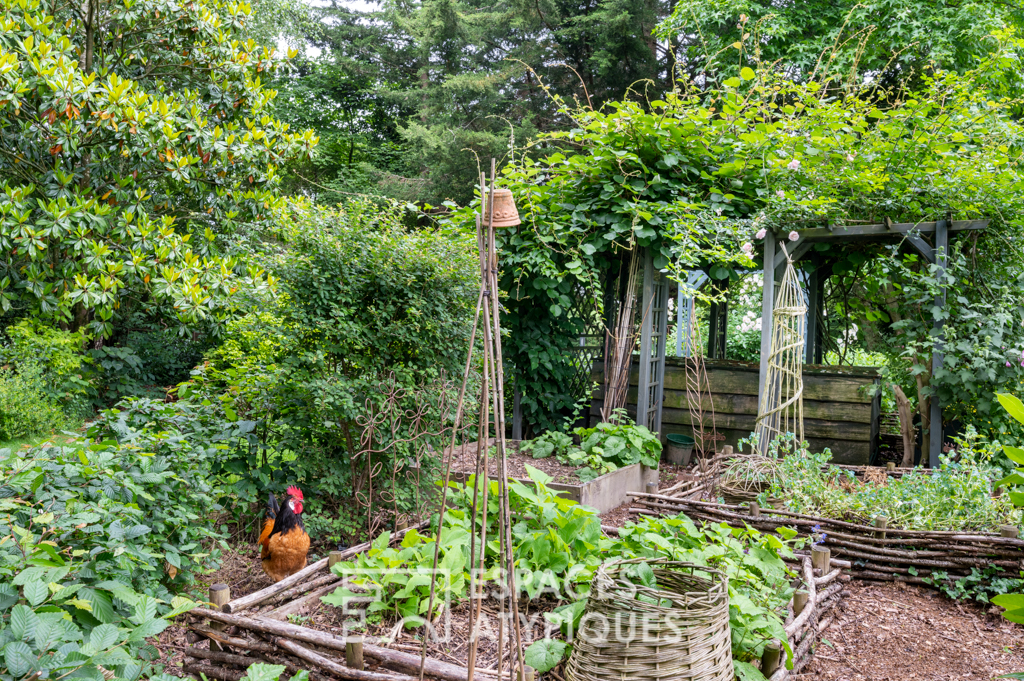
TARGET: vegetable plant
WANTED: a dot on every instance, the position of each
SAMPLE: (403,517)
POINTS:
(610,446)
(549,443)
(396,581)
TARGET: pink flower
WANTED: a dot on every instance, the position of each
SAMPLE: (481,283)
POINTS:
(793,165)
(748,248)
(1007,364)
(781,194)
(793,236)
(761,233)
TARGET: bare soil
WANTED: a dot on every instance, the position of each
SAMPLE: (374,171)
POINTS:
(464,461)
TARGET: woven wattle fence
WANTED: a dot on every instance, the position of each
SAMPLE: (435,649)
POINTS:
(810,614)
(873,551)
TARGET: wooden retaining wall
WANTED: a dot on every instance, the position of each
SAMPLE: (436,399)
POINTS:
(838,412)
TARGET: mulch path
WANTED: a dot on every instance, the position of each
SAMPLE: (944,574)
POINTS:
(898,632)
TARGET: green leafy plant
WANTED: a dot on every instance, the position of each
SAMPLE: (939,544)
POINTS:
(558,546)
(396,581)
(957,496)
(58,354)
(549,443)
(136,505)
(610,446)
(65,606)
(25,405)
(759,581)
(122,214)
(271,672)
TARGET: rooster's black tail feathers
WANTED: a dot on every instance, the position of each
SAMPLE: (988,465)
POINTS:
(272,507)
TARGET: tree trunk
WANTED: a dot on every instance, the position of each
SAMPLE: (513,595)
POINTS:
(924,407)
(906,426)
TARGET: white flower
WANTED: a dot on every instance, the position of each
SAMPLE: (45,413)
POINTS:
(718,211)
(793,236)
(781,194)
(760,234)
(793,165)
(748,248)
(849,157)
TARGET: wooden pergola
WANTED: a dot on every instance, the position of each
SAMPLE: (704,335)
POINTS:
(912,233)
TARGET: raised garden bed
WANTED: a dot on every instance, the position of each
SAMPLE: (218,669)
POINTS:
(603,493)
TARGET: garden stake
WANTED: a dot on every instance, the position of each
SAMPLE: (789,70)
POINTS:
(753,509)
(448,473)
(482,468)
(1010,531)
(770,658)
(220,594)
(354,652)
(881,522)
(820,558)
(799,601)
(497,370)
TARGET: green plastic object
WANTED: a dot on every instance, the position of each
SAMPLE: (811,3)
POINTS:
(681,440)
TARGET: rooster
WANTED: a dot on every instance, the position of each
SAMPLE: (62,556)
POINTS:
(284,540)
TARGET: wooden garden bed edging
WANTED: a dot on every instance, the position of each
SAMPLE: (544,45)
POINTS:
(892,554)
(260,615)
(809,616)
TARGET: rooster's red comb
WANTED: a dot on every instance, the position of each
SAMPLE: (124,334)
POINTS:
(294,492)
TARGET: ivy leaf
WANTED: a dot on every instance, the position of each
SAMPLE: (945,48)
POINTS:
(544,655)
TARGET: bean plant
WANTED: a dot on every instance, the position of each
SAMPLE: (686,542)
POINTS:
(558,547)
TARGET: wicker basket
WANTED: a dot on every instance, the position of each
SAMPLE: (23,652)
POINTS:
(684,637)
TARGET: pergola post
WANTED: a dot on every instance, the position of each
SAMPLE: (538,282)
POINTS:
(653,328)
(935,419)
(718,321)
(684,308)
(767,308)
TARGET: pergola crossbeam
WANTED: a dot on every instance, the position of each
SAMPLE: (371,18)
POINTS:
(853,232)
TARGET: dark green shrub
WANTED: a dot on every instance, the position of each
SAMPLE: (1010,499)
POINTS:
(25,406)
(361,298)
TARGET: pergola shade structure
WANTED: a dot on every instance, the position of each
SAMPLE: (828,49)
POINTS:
(913,233)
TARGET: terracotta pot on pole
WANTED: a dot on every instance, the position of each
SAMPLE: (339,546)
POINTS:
(505,213)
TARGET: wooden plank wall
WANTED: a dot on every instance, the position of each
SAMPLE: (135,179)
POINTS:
(838,413)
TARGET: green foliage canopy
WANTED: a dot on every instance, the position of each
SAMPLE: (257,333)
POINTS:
(693,178)
(131,134)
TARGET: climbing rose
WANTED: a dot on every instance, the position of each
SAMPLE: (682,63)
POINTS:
(747,248)
(793,236)
(781,194)
(793,165)
(760,234)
